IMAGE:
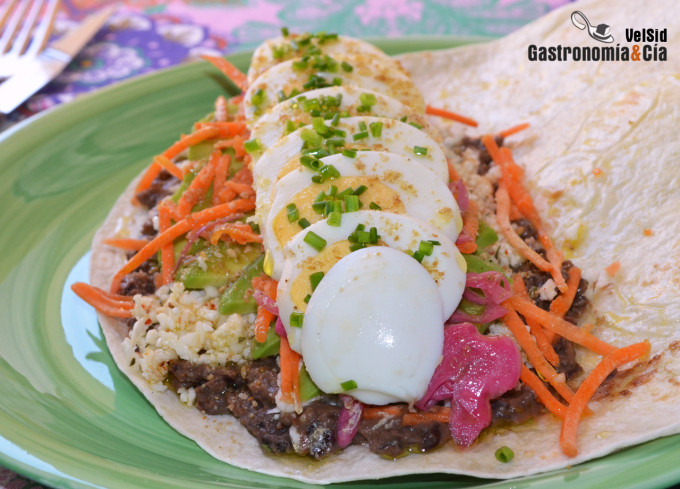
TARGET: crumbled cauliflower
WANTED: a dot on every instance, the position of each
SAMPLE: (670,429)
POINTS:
(175,323)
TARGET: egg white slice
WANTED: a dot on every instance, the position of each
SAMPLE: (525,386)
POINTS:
(369,72)
(445,265)
(373,328)
(271,127)
(396,137)
(276,50)
(395,182)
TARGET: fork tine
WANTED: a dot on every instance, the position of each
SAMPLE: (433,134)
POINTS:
(22,38)
(12,26)
(42,33)
(5,10)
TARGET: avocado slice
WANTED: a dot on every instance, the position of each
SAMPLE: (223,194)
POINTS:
(235,299)
(216,265)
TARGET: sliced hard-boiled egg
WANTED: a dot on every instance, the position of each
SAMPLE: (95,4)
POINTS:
(298,75)
(373,328)
(315,250)
(368,180)
(346,101)
(374,133)
(274,51)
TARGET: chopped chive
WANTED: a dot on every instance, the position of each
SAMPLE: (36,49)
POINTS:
(300,64)
(296,319)
(336,206)
(339,133)
(337,81)
(360,135)
(328,172)
(418,256)
(284,31)
(351,203)
(346,66)
(363,237)
(293,214)
(435,242)
(504,454)
(350,153)
(374,236)
(374,206)
(426,248)
(336,119)
(376,129)
(363,108)
(416,125)
(320,196)
(315,241)
(252,146)
(307,298)
(362,126)
(319,207)
(348,385)
(356,246)
(347,191)
(258,97)
(360,190)
(290,126)
(403,119)
(419,150)
(333,191)
(368,99)
(335,219)
(310,162)
(314,279)
(304,223)
(311,137)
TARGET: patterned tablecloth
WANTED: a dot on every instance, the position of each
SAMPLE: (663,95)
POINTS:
(147,35)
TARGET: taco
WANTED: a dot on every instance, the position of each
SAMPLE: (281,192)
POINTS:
(189,309)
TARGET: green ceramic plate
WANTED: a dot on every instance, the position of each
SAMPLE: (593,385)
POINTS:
(68,418)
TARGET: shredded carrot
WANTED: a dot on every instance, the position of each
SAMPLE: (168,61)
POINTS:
(168,249)
(226,129)
(526,341)
(113,305)
(128,244)
(194,221)
(561,304)
(243,189)
(558,325)
(199,186)
(454,176)
(375,412)
(470,227)
(236,143)
(267,285)
(648,232)
(542,392)
(450,115)
(503,220)
(169,166)
(512,178)
(244,175)
(290,370)
(262,322)
(241,233)
(176,148)
(439,414)
(588,387)
(229,70)
(540,334)
(613,268)
(597,172)
(221,172)
(514,130)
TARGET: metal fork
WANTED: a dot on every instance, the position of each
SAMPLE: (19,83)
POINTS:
(23,37)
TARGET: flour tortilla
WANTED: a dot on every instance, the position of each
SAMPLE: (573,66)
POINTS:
(618,117)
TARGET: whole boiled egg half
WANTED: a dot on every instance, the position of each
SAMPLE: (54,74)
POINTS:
(363,311)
